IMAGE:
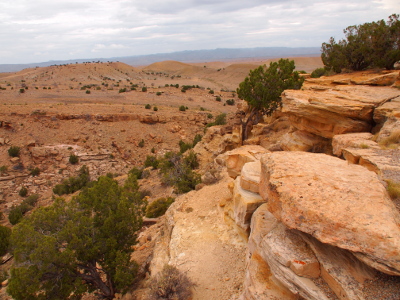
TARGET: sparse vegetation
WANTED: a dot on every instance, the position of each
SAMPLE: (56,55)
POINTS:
(14,151)
(170,283)
(18,211)
(147,106)
(73,184)
(35,172)
(158,207)
(393,189)
(182,108)
(219,120)
(392,141)
(87,92)
(141,143)
(3,170)
(151,161)
(144,89)
(73,159)
(23,192)
(5,234)
(155,108)
(230,102)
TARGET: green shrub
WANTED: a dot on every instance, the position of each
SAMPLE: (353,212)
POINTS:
(210,116)
(182,108)
(5,234)
(183,147)
(155,108)
(122,90)
(218,98)
(144,89)
(158,207)
(87,92)
(197,138)
(170,283)
(23,191)
(230,102)
(220,119)
(158,93)
(211,92)
(35,172)
(151,161)
(73,184)
(73,159)
(22,91)
(136,172)
(3,170)
(17,212)
(141,143)
(147,106)
(14,151)
(318,73)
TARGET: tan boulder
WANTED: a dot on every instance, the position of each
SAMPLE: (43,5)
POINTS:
(244,205)
(385,163)
(235,159)
(353,140)
(250,176)
(287,256)
(390,108)
(381,80)
(337,203)
(301,140)
(38,152)
(344,109)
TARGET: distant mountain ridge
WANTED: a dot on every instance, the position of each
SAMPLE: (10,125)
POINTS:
(183,56)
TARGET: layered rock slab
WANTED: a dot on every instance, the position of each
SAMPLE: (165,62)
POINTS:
(339,110)
(337,203)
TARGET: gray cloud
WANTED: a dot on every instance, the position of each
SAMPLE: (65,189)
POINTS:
(42,30)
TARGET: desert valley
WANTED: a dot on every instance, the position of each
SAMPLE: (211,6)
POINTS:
(301,210)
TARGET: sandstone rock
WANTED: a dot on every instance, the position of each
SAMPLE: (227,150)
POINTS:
(391,126)
(353,140)
(301,140)
(337,203)
(250,176)
(381,80)
(385,163)
(15,160)
(244,204)
(288,257)
(38,152)
(235,159)
(341,270)
(31,143)
(148,119)
(2,141)
(63,166)
(344,109)
(389,109)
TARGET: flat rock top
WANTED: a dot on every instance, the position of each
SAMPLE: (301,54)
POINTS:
(340,204)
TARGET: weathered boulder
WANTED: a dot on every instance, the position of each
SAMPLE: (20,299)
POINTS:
(389,109)
(286,255)
(353,140)
(385,163)
(381,80)
(250,176)
(344,109)
(39,152)
(301,140)
(337,203)
(244,205)
(235,159)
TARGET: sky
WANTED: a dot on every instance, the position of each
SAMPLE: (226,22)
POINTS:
(44,30)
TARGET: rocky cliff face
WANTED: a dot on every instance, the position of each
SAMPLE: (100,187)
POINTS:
(315,225)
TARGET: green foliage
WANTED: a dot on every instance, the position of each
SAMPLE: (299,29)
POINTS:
(18,211)
(147,106)
(73,159)
(144,89)
(211,92)
(197,138)
(183,147)
(230,102)
(73,184)
(14,151)
(3,170)
(218,98)
(23,192)
(219,120)
(263,87)
(136,172)
(158,93)
(5,234)
(158,207)
(177,171)
(155,108)
(375,44)
(122,90)
(141,143)
(182,108)
(22,91)
(87,92)
(68,249)
(170,283)
(151,161)
(318,72)
(35,172)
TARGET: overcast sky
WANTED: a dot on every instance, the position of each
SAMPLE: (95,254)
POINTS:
(43,30)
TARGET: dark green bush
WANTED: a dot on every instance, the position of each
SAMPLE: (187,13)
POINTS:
(318,73)
(151,161)
(158,93)
(22,91)
(73,159)
(14,151)
(147,106)
(73,184)
(144,89)
(136,172)
(158,207)
(32,200)
(197,138)
(218,98)
(183,147)
(141,143)
(182,108)
(219,120)
(122,90)
(23,191)
(155,108)
(35,172)
(87,91)
(5,234)
(211,92)
(230,102)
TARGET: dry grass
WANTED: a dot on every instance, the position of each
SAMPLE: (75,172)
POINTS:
(170,283)
(392,141)
(393,189)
